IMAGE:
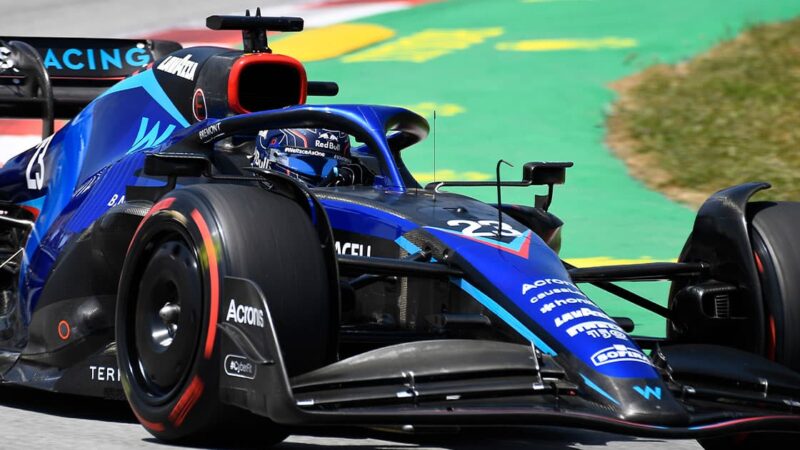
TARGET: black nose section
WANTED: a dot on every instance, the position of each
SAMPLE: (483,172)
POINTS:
(638,400)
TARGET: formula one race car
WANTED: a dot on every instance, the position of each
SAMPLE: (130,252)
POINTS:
(149,254)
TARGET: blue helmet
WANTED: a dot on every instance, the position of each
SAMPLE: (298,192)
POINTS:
(312,155)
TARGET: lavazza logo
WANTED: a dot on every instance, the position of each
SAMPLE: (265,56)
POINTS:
(182,67)
(245,315)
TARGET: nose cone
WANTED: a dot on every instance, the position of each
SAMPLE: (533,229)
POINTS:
(664,412)
(645,401)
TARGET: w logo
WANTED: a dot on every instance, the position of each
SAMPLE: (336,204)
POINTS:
(150,137)
(647,391)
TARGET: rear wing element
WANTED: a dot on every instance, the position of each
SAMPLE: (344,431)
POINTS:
(79,69)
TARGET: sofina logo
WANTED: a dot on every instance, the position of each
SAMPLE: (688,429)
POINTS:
(647,391)
(618,353)
(150,136)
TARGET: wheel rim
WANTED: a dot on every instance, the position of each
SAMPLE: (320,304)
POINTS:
(168,318)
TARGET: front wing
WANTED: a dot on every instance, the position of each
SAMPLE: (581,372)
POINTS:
(456,383)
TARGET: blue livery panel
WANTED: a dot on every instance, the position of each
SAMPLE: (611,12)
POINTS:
(76,175)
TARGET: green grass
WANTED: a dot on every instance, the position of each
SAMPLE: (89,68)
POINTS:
(729,116)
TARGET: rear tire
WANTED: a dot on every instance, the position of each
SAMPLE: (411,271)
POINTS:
(167,339)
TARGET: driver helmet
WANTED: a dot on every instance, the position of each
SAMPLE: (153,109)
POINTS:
(312,155)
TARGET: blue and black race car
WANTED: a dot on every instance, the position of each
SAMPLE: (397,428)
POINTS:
(233,262)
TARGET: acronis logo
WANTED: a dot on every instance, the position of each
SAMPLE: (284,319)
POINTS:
(95,59)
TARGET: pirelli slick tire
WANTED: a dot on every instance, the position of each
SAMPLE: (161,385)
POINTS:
(776,249)
(170,302)
(776,245)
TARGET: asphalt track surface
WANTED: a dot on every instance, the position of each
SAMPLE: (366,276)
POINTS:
(30,419)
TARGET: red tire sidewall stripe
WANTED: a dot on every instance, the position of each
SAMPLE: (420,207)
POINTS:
(194,391)
(163,204)
(772,346)
(759,265)
(187,401)
(211,254)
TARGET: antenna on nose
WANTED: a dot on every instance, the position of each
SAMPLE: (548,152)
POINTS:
(499,198)
(434,154)
(434,145)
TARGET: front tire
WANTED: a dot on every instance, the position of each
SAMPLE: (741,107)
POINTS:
(776,249)
(170,303)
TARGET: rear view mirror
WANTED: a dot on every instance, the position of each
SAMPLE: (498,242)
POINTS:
(545,173)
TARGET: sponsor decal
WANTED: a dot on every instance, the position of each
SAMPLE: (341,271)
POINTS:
(546,308)
(304,152)
(34,174)
(102,373)
(209,132)
(239,366)
(604,333)
(328,141)
(95,58)
(588,327)
(245,315)
(327,145)
(647,391)
(618,353)
(115,200)
(182,67)
(579,314)
(568,290)
(329,136)
(483,228)
(353,248)
(259,160)
(150,136)
(199,105)
(545,282)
